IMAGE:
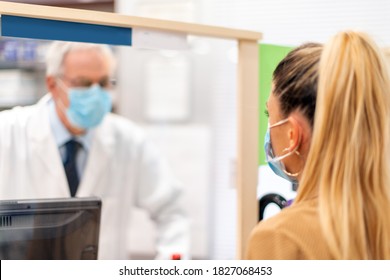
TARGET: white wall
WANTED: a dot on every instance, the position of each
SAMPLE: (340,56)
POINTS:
(292,22)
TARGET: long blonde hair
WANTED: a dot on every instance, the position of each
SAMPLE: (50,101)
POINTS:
(348,162)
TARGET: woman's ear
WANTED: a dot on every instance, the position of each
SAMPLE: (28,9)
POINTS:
(294,133)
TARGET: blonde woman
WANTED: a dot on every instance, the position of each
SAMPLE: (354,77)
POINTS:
(343,202)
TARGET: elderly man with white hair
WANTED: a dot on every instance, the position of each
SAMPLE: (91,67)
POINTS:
(70,144)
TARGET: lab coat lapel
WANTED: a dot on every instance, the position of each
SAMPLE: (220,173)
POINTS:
(48,165)
(98,163)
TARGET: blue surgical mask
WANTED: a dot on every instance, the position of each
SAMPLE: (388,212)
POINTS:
(88,106)
(275,163)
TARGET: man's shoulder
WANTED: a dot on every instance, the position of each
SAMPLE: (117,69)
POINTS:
(120,122)
(17,116)
(122,127)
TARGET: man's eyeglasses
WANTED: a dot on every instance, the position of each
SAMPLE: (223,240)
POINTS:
(105,82)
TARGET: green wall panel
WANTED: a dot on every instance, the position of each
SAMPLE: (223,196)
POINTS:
(269,56)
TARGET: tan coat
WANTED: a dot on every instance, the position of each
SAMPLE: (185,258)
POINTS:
(293,234)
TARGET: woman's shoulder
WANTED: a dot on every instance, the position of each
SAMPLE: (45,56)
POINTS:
(290,234)
(291,220)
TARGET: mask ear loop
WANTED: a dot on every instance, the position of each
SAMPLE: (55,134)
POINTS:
(278,123)
(293,174)
(60,103)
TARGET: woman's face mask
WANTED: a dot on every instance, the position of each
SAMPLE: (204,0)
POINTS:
(87,106)
(275,163)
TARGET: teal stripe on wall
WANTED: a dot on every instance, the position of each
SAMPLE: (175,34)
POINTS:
(44,29)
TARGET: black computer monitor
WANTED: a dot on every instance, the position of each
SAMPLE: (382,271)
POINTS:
(64,228)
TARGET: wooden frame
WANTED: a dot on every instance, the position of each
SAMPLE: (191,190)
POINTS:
(247,92)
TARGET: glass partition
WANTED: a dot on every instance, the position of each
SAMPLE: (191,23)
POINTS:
(185,101)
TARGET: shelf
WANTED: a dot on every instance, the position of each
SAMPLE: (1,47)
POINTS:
(8,104)
(63,2)
(23,65)
(66,15)
(96,5)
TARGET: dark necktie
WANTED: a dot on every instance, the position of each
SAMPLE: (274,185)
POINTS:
(70,165)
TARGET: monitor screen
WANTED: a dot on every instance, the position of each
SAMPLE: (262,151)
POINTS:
(44,229)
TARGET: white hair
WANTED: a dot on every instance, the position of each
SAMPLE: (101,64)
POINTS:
(59,49)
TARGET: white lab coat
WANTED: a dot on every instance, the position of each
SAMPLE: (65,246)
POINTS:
(123,169)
